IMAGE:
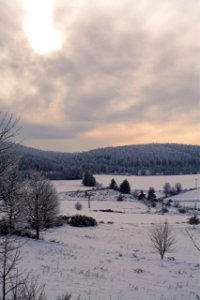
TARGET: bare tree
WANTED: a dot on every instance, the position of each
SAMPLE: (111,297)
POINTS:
(13,285)
(10,195)
(162,238)
(27,289)
(9,259)
(41,202)
(8,130)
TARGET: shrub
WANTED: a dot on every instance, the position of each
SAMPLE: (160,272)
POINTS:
(65,297)
(178,187)
(24,233)
(151,194)
(4,228)
(78,206)
(120,198)
(194,220)
(164,210)
(182,210)
(176,204)
(169,202)
(82,221)
(61,220)
(167,189)
(141,195)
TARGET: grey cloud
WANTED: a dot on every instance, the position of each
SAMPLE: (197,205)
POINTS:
(110,56)
(34,131)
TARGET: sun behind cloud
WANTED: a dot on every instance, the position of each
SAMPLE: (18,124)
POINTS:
(39,27)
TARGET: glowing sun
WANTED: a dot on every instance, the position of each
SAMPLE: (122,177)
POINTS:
(39,27)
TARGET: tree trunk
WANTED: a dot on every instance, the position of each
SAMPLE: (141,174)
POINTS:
(4,288)
(37,232)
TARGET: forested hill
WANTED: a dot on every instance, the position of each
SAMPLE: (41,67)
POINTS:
(147,159)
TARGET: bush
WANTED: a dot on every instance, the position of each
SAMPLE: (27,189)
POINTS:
(120,198)
(78,206)
(169,202)
(65,297)
(176,204)
(182,210)
(4,228)
(24,233)
(194,220)
(141,195)
(164,210)
(82,221)
(61,220)
(151,194)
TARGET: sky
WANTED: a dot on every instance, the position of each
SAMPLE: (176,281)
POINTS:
(84,74)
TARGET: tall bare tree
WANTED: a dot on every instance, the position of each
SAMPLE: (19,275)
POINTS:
(41,202)
(10,195)
(9,259)
(8,130)
(12,285)
(162,238)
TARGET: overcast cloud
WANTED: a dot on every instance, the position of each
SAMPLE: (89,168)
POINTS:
(128,72)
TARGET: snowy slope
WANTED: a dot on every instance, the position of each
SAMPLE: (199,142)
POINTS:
(114,260)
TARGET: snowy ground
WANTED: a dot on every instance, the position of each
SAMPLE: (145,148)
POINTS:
(114,260)
(136,182)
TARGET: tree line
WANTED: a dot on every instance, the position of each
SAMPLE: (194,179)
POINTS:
(149,159)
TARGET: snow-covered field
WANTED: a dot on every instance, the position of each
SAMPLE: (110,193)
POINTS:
(136,182)
(115,260)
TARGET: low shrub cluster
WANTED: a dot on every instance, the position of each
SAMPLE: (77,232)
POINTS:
(61,220)
(24,233)
(182,210)
(194,220)
(6,229)
(82,221)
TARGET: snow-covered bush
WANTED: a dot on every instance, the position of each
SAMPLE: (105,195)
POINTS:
(120,198)
(78,206)
(182,210)
(194,220)
(82,221)
(61,220)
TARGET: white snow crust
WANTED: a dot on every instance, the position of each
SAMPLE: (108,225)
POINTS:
(115,260)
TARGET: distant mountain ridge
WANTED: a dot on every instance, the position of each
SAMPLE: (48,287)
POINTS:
(145,159)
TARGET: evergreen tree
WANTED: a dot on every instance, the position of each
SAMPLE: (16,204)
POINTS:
(125,187)
(113,185)
(88,179)
(151,194)
(141,195)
